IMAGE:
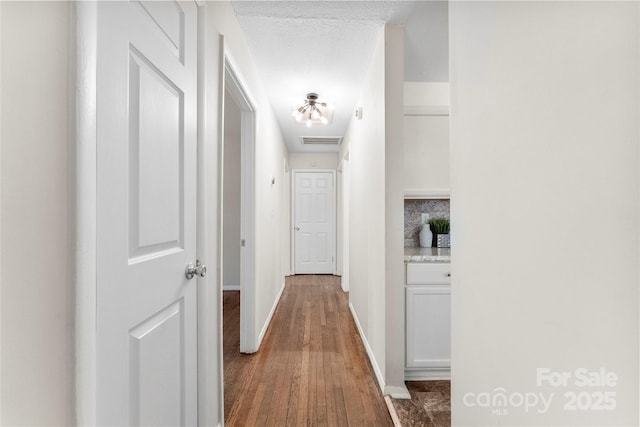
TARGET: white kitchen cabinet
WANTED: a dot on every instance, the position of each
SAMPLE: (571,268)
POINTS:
(426,155)
(429,273)
(428,321)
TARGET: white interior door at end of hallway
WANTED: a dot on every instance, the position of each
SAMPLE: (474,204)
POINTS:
(314,222)
(146,226)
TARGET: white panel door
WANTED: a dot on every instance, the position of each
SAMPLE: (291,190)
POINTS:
(146,307)
(314,222)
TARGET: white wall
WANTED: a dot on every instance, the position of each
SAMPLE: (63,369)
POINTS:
(366,144)
(544,148)
(287,226)
(0,213)
(426,42)
(231,195)
(37,296)
(272,243)
(313,160)
(374,144)
(394,211)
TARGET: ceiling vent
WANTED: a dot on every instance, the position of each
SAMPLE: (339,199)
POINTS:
(322,140)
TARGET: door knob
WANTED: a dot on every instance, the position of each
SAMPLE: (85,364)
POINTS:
(198,269)
(297,228)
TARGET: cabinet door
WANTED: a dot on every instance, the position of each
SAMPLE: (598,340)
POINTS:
(426,152)
(428,326)
(428,273)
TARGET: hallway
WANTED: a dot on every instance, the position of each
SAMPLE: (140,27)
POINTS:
(311,369)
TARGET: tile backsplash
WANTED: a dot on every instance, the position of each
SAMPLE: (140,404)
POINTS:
(413,210)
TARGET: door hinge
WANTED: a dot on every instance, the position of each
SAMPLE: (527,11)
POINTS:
(242,243)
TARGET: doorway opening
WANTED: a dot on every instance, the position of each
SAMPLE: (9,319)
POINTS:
(231,191)
(237,236)
(238,192)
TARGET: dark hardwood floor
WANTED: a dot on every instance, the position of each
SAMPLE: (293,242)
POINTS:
(311,369)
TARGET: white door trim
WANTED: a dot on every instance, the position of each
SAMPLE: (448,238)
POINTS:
(345,169)
(86,212)
(293,215)
(209,313)
(231,80)
(86,209)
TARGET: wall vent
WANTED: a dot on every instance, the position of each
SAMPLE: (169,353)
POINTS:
(323,140)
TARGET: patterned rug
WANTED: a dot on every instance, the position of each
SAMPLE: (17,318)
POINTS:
(430,405)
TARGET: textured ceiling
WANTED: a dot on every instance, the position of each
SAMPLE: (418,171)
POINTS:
(324,47)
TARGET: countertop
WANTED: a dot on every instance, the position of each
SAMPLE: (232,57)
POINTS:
(427,254)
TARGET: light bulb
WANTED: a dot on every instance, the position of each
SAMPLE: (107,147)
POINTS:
(324,120)
(294,113)
(298,117)
(308,123)
(315,115)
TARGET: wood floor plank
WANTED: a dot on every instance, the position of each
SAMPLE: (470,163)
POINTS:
(312,368)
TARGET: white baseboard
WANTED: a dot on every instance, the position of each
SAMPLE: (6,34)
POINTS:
(268,321)
(397,392)
(230,287)
(372,358)
(427,374)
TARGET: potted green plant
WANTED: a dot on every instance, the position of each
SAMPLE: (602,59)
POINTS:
(440,229)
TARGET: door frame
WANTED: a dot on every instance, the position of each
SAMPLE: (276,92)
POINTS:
(293,215)
(86,208)
(231,81)
(345,187)
(84,185)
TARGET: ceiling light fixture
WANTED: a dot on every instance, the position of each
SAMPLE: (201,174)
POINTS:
(309,111)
